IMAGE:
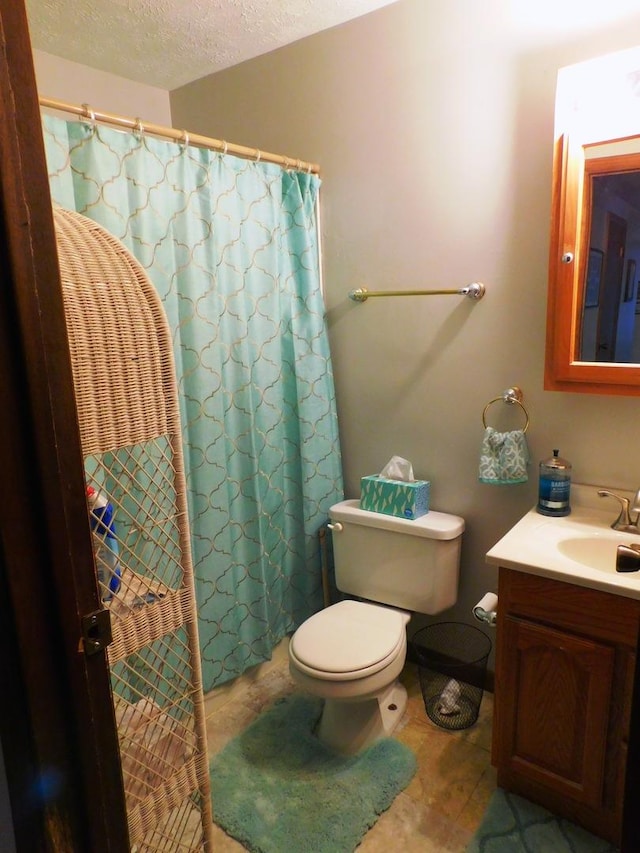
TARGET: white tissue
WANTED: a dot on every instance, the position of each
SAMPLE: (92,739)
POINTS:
(486,610)
(449,698)
(398,468)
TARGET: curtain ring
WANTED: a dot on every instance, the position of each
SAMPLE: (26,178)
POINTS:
(298,165)
(224,147)
(184,140)
(90,115)
(258,155)
(139,128)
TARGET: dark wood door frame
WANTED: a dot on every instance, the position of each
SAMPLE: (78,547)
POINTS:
(611,288)
(56,717)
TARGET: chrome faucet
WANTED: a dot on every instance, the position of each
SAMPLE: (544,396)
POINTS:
(629,516)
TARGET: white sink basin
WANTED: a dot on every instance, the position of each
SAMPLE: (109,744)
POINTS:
(595,552)
(579,548)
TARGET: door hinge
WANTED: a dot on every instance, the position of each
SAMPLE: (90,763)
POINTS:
(96,631)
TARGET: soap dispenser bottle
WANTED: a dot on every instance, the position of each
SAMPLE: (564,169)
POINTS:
(554,489)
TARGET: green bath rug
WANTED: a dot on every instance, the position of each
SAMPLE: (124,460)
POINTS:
(277,789)
(512,824)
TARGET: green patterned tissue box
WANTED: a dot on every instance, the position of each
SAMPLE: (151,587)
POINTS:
(394,497)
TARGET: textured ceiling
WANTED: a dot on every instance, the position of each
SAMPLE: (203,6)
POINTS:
(167,43)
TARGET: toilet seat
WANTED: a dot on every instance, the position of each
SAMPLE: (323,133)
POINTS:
(349,640)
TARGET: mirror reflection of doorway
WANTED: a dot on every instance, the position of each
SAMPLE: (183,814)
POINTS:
(611,287)
(609,331)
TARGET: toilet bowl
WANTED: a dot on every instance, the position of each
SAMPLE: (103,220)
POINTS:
(351,654)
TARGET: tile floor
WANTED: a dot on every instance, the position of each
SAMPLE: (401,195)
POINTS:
(442,806)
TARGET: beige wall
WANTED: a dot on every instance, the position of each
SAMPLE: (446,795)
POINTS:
(433,125)
(73,83)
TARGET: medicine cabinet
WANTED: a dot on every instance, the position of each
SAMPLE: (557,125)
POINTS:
(593,307)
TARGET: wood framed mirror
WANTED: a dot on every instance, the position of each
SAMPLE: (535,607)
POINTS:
(593,330)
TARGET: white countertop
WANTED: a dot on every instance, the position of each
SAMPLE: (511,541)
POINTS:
(579,548)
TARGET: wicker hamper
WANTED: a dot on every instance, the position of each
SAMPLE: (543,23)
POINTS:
(126,395)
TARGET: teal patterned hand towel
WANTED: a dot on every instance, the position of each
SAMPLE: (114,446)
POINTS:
(504,457)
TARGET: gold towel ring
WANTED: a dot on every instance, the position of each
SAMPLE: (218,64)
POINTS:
(512,395)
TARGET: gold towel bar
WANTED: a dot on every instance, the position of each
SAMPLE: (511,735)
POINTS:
(475,290)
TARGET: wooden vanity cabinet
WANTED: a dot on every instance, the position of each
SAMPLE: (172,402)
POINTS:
(565,669)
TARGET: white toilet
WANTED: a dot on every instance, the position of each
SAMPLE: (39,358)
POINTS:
(352,653)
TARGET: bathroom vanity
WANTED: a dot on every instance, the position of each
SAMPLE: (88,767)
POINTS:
(567,638)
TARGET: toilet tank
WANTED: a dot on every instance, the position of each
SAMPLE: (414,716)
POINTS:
(409,564)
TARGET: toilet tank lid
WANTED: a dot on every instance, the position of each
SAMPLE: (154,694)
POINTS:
(433,525)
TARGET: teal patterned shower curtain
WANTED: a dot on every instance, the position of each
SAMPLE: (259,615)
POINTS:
(231,246)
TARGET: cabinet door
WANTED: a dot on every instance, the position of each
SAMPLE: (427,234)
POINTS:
(555,696)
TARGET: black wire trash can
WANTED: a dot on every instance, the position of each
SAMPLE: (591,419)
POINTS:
(452,664)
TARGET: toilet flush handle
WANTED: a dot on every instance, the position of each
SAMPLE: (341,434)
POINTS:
(337,527)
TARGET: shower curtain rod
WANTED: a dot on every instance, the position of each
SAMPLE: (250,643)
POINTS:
(182,136)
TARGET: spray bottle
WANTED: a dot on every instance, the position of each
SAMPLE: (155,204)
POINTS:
(105,544)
